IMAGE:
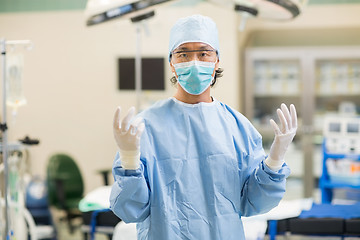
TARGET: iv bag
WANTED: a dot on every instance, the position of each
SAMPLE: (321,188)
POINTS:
(14,80)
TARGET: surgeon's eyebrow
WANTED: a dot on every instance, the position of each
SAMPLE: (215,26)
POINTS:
(197,50)
(180,50)
(204,47)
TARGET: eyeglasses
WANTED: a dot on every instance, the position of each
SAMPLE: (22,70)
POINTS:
(206,55)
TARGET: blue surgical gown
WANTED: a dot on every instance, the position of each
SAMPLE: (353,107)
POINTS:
(201,170)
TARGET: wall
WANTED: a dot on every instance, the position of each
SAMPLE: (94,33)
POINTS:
(70,79)
(318,25)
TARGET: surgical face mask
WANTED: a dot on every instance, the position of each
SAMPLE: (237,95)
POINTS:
(195,76)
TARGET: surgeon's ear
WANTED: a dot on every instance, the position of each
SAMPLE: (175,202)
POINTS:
(217,64)
(172,67)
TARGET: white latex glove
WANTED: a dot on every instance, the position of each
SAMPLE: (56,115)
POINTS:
(127,135)
(283,136)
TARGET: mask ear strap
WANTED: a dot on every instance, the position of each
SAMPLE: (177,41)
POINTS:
(213,80)
(174,75)
(172,65)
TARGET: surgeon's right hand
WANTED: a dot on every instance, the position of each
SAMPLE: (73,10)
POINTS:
(127,135)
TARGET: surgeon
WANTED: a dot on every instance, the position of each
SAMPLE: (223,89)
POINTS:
(190,166)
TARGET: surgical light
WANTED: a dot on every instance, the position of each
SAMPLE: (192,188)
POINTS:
(99,11)
(272,9)
(278,9)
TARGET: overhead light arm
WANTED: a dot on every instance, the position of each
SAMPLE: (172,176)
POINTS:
(284,5)
(242,8)
(99,11)
(246,9)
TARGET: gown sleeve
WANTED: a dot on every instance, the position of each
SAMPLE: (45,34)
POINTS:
(263,189)
(130,193)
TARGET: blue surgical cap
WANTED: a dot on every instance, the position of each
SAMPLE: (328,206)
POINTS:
(195,28)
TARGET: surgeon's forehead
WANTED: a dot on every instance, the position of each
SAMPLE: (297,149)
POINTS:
(193,46)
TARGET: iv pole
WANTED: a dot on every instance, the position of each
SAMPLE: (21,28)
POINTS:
(4,137)
(138,67)
(3,128)
(139,21)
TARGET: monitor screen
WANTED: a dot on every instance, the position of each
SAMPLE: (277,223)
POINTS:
(353,128)
(152,74)
(335,127)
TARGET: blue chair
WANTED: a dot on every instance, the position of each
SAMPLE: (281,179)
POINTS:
(36,202)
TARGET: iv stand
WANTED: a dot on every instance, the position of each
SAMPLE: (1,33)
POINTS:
(4,137)
(3,128)
(138,67)
(139,21)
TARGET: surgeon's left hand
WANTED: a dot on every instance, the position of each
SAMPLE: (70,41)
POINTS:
(283,136)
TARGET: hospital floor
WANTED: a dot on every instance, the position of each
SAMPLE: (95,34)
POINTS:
(64,234)
(293,191)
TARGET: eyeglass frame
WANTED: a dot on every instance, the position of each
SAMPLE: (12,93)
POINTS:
(199,50)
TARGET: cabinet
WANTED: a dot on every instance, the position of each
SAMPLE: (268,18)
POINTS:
(318,80)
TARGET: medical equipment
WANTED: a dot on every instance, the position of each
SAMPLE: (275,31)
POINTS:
(344,171)
(3,127)
(341,155)
(98,11)
(102,221)
(347,108)
(96,214)
(12,208)
(320,220)
(14,73)
(342,135)
(279,10)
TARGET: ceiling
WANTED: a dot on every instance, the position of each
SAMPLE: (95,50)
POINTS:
(46,5)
